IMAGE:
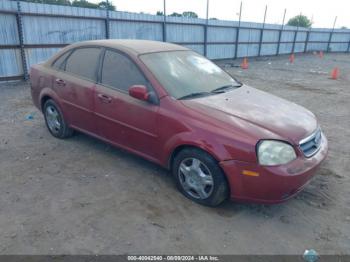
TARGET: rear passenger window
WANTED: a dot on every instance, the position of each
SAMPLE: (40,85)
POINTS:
(83,62)
(58,64)
(118,71)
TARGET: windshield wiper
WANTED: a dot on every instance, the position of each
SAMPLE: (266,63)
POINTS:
(218,90)
(223,89)
(196,94)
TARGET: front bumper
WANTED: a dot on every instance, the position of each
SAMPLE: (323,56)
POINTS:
(272,184)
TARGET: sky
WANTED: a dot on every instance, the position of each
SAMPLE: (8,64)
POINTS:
(321,12)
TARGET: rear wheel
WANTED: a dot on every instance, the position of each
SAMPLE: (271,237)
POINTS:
(54,120)
(199,177)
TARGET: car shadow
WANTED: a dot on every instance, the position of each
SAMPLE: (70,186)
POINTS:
(226,209)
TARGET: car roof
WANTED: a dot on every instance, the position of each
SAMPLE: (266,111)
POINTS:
(132,45)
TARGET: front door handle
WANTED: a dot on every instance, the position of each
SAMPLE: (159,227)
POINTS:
(104,98)
(60,82)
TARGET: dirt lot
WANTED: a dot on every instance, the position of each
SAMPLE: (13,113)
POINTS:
(81,196)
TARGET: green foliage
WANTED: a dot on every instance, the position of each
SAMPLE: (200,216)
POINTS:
(159,13)
(189,14)
(300,21)
(51,2)
(84,3)
(77,3)
(176,14)
(105,5)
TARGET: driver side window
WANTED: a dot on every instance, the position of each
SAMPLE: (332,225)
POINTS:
(119,72)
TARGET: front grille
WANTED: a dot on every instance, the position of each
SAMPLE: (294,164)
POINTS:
(311,144)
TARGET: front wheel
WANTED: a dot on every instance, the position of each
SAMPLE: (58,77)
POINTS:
(199,177)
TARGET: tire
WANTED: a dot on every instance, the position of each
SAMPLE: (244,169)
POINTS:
(54,120)
(195,183)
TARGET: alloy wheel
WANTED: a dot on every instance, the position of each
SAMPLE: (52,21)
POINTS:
(195,178)
(53,119)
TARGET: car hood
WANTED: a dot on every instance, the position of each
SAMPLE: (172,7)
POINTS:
(276,115)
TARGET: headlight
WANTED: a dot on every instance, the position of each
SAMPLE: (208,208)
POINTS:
(272,152)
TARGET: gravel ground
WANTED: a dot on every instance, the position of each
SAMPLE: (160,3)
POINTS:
(82,196)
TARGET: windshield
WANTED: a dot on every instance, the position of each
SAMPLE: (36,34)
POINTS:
(185,73)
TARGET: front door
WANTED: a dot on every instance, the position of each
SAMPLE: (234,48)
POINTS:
(122,119)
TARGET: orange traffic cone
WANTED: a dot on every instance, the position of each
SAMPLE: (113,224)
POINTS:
(244,64)
(335,73)
(320,54)
(291,58)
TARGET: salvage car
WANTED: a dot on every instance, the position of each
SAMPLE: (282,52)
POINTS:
(166,103)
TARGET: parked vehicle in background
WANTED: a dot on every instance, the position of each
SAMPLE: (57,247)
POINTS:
(172,106)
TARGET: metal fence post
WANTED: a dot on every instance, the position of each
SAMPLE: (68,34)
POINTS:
(348,49)
(295,39)
(295,35)
(164,20)
(237,30)
(206,30)
(262,32)
(280,33)
(107,21)
(21,41)
(331,34)
(307,40)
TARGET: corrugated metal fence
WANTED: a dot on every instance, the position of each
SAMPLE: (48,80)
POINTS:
(30,33)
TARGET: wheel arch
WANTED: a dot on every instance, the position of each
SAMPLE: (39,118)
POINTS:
(43,101)
(181,147)
(47,93)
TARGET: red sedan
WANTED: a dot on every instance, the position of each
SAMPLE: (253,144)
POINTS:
(172,106)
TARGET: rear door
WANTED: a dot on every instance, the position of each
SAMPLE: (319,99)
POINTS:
(75,84)
(122,119)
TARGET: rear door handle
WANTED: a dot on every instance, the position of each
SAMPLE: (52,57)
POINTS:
(104,98)
(60,82)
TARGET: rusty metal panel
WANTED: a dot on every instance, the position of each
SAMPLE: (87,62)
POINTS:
(135,16)
(8,30)
(61,10)
(135,30)
(37,55)
(270,36)
(221,34)
(286,48)
(197,48)
(53,30)
(268,49)
(185,33)
(338,47)
(245,50)
(221,51)
(10,62)
(8,5)
(318,36)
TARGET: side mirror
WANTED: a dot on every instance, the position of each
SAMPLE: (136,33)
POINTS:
(140,92)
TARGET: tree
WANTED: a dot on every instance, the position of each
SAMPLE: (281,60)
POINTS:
(176,14)
(50,2)
(84,3)
(160,13)
(78,3)
(300,20)
(343,27)
(189,14)
(105,5)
